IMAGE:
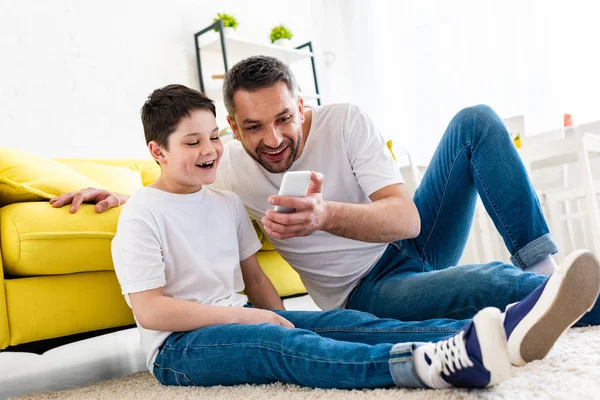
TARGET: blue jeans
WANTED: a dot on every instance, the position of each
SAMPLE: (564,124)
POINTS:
(417,279)
(343,349)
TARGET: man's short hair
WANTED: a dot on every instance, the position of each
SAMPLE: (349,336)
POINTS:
(166,107)
(253,73)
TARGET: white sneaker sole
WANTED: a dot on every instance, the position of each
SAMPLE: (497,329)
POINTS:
(492,342)
(571,291)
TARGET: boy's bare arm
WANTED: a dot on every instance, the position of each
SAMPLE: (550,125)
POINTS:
(259,289)
(158,312)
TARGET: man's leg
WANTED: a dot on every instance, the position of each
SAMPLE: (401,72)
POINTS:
(237,354)
(362,327)
(532,325)
(476,157)
(413,281)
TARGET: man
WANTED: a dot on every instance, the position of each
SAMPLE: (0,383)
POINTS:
(358,240)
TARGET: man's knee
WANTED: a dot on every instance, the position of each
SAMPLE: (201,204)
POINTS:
(483,119)
(480,111)
(341,316)
(495,282)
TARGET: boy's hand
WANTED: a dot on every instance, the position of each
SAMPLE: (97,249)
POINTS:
(103,198)
(251,316)
(310,215)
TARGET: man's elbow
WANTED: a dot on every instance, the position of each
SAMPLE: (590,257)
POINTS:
(414,225)
(416,228)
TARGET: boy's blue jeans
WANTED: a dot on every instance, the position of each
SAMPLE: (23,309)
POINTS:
(340,348)
(417,279)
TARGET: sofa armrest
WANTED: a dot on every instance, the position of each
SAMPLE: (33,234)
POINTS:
(4,332)
(38,239)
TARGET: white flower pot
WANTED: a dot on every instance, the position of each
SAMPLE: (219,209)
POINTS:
(283,42)
(228,31)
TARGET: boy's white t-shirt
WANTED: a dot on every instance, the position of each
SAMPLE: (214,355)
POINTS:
(189,244)
(346,147)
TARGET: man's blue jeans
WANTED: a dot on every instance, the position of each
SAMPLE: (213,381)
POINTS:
(417,279)
(343,349)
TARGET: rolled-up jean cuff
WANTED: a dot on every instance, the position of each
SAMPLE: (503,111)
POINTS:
(534,251)
(402,368)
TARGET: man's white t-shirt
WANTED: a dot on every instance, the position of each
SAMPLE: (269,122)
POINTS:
(189,244)
(345,146)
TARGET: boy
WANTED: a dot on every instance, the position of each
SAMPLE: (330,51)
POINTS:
(183,252)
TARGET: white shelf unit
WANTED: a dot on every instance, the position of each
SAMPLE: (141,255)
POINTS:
(240,48)
(234,48)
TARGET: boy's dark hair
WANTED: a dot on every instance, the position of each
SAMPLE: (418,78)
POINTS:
(165,108)
(255,73)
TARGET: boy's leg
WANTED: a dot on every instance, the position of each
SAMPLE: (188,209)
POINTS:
(266,353)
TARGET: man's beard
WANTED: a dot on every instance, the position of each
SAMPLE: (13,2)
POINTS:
(287,162)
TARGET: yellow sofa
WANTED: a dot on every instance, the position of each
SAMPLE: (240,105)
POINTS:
(58,278)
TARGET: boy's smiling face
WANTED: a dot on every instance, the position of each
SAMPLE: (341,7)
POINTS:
(192,155)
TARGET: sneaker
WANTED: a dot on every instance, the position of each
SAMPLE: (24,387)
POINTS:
(476,357)
(534,324)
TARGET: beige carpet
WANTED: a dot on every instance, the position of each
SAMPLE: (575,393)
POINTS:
(570,371)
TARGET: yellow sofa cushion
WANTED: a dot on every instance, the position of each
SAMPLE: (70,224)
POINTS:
(116,179)
(266,244)
(27,177)
(53,306)
(390,146)
(148,168)
(38,239)
(149,175)
(4,333)
(136,164)
(286,281)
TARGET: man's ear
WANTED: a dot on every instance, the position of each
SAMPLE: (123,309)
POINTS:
(157,152)
(234,128)
(301,109)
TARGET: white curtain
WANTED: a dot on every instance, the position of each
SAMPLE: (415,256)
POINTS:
(413,64)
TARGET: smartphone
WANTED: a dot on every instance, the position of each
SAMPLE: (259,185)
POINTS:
(294,184)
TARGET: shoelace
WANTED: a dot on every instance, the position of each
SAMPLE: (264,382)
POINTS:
(450,355)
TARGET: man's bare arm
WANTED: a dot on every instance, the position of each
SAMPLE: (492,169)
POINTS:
(392,215)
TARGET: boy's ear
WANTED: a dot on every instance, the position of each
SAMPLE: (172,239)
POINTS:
(157,152)
(234,128)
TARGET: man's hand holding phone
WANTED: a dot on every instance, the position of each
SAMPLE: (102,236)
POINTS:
(299,207)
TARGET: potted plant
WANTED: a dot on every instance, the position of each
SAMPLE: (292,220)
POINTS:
(229,22)
(281,35)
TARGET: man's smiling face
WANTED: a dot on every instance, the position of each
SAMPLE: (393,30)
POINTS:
(268,122)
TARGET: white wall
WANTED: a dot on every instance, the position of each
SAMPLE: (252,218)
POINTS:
(74,74)
(413,64)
